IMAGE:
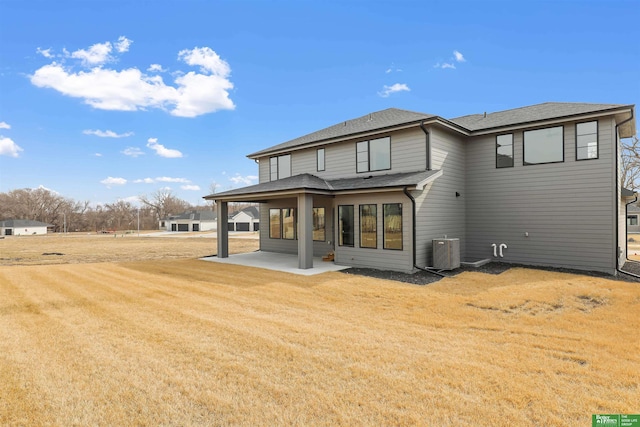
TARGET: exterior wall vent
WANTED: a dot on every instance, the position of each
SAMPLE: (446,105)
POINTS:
(446,254)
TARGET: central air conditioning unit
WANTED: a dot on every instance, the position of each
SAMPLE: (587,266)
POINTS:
(446,254)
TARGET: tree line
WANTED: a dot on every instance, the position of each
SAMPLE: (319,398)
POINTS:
(66,214)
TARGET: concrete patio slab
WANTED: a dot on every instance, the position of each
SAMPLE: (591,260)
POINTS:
(278,262)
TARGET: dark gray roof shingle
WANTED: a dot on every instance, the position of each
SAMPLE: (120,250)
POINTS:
(311,182)
(532,113)
(195,216)
(373,121)
(12,223)
(391,117)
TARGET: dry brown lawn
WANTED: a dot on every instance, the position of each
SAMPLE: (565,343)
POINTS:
(189,342)
(85,248)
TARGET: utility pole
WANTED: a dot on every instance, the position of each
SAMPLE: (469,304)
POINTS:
(138,222)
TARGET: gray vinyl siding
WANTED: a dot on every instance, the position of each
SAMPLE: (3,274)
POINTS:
(566,208)
(291,246)
(263,170)
(438,211)
(408,154)
(379,258)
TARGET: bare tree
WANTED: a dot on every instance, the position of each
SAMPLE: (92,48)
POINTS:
(630,163)
(164,203)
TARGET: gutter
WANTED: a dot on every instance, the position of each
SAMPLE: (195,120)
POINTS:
(617,201)
(428,146)
(413,223)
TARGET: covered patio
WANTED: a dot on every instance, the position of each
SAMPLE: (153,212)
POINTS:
(287,263)
(302,190)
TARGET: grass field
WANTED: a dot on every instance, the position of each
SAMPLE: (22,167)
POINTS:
(188,342)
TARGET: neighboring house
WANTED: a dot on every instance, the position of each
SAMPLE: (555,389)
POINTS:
(248,219)
(538,182)
(190,221)
(17,227)
(633,218)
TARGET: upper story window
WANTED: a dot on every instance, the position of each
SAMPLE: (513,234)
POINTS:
(504,151)
(280,167)
(544,145)
(320,159)
(587,140)
(373,155)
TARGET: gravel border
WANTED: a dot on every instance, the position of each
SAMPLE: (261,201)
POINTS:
(425,278)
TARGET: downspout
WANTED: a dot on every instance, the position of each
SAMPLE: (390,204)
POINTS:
(626,241)
(427,145)
(616,200)
(413,229)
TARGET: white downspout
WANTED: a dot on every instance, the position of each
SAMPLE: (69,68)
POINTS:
(502,245)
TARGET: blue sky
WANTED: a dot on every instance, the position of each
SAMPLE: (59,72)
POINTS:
(107,100)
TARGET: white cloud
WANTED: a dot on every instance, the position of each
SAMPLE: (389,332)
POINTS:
(5,125)
(45,52)
(190,187)
(388,90)
(161,150)
(97,54)
(144,181)
(133,152)
(106,133)
(169,179)
(156,68)
(208,60)
(192,94)
(448,65)
(9,148)
(42,187)
(113,181)
(98,154)
(162,179)
(123,43)
(246,180)
(459,56)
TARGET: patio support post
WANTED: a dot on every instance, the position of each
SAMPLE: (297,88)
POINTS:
(223,229)
(305,231)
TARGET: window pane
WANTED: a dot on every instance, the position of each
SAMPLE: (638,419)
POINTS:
(284,166)
(274,223)
(320,159)
(318,225)
(380,154)
(273,167)
(504,151)
(586,128)
(543,146)
(362,156)
(345,225)
(392,226)
(587,140)
(288,224)
(368,226)
(632,219)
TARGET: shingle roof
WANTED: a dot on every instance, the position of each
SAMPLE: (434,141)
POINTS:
(311,182)
(195,216)
(373,121)
(392,117)
(538,112)
(12,223)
